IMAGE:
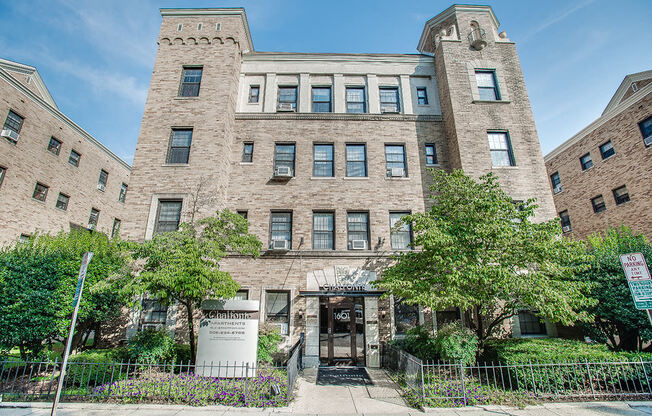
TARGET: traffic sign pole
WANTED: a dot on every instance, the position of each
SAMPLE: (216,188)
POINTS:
(639,281)
(76,300)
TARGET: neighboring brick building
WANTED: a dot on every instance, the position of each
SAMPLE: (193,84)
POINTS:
(601,176)
(323,153)
(51,169)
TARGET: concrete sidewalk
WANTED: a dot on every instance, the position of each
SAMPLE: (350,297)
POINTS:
(550,409)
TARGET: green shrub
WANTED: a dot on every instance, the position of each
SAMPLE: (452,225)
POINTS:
(457,344)
(419,342)
(182,352)
(151,345)
(537,364)
(269,336)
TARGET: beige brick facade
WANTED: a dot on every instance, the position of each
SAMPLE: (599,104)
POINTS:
(28,161)
(223,118)
(630,166)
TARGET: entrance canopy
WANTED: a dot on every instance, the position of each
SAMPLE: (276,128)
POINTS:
(341,281)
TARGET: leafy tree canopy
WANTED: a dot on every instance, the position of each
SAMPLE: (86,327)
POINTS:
(183,266)
(37,284)
(479,250)
(617,320)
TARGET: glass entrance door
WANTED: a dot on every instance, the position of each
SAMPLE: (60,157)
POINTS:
(341,332)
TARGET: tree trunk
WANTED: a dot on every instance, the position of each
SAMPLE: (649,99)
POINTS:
(628,339)
(191,330)
(479,325)
(23,355)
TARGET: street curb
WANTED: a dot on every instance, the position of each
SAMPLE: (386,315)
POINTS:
(144,406)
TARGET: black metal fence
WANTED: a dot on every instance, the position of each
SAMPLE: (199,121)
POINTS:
(456,384)
(228,383)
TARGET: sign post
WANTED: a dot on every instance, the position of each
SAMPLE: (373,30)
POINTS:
(639,281)
(75,303)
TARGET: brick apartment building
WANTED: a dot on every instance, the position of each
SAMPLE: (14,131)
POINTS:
(53,174)
(323,153)
(600,177)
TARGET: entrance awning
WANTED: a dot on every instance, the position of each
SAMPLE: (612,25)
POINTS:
(340,293)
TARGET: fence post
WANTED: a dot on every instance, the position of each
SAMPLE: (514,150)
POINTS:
(462,381)
(588,371)
(245,384)
(646,377)
(534,383)
(423,384)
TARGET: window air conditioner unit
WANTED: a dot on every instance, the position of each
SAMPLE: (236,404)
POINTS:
(10,134)
(101,187)
(285,107)
(283,172)
(279,245)
(397,172)
(557,189)
(566,228)
(359,244)
(647,140)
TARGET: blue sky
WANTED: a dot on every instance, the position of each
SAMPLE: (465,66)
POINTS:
(96,57)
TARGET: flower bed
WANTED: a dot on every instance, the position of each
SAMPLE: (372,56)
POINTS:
(267,389)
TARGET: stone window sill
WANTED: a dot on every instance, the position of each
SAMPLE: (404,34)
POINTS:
(186,98)
(436,165)
(247,163)
(505,167)
(175,165)
(355,178)
(322,178)
(491,101)
(587,169)
(397,179)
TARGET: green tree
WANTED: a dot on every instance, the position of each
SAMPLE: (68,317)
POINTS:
(183,266)
(37,284)
(617,321)
(480,251)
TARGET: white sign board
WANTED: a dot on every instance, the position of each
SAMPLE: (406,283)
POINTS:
(638,279)
(228,339)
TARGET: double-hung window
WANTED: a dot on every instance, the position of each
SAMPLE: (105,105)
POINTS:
(487,85)
(190,82)
(607,150)
(169,216)
(422,96)
(431,154)
(322,231)
(153,314)
(621,195)
(395,163)
(101,182)
(123,192)
(247,152)
(284,156)
(556,183)
(14,122)
(355,100)
(94,218)
(401,236)
(586,162)
(501,149)
(530,324)
(62,201)
(389,101)
(356,160)
(323,160)
(74,157)
(646,131)
(3,171)
(357,227)
(565,221)
(179,151)
(277,309)
(598,204)
(116,227)
(406,317)
(281,228)
(254,94)
(321,99)
(54,146)
(287,99)
(40,192)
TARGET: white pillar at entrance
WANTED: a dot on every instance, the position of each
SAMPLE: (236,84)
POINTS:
(311,356)
(371,329)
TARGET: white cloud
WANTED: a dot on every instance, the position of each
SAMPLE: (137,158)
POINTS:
(561,15)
